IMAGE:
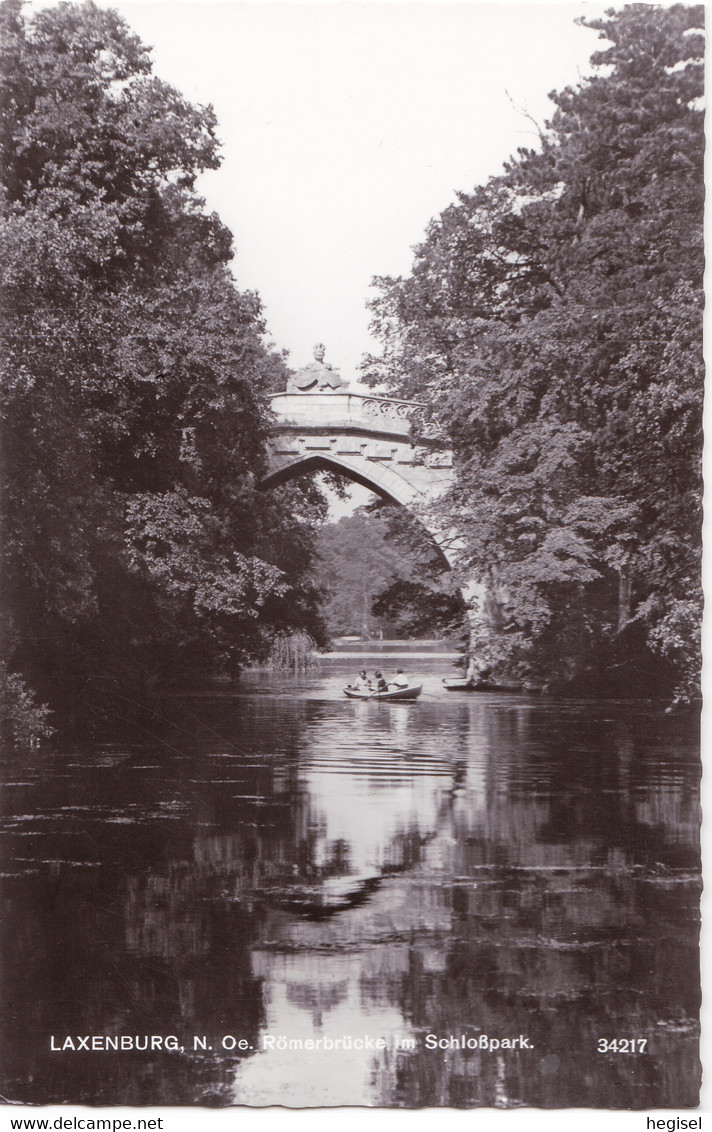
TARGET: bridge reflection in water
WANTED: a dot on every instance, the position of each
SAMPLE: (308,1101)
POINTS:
(301,866)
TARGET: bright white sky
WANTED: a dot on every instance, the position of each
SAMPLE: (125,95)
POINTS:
(346,127)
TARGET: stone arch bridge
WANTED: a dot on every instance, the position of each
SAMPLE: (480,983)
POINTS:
(367,439)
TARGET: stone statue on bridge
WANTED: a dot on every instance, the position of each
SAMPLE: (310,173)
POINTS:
(317,377)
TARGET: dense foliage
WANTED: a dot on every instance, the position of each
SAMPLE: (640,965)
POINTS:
(136,546)
(382,576)
(552,322)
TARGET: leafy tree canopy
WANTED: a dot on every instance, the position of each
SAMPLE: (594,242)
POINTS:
(381,575)
(134,372)
(552,322)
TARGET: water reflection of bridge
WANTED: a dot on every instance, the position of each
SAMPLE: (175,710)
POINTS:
(524,867)
(503,902)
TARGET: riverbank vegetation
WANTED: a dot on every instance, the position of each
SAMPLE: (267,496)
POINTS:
(552,322)
(137,551)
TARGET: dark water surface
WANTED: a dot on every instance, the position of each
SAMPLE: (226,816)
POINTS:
(274,867)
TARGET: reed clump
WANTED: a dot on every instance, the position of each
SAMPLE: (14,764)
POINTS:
(292,651)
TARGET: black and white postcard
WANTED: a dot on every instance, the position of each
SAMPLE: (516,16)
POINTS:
(352,520)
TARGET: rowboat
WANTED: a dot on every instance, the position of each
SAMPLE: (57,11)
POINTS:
(463,685)
(396,694)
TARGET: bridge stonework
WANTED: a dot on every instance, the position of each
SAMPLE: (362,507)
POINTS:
(364,438)
(368,440)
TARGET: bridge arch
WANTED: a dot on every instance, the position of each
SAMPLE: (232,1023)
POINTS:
(382,481)
(367,440)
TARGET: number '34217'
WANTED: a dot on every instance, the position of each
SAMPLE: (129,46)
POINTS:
(622,1045)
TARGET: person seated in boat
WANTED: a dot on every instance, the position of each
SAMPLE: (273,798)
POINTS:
(362,682)
(400,680)
(381,684)
(477,672)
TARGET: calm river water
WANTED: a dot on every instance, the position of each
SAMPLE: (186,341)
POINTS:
(394,888)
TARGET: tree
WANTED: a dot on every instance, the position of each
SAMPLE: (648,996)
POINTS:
(134,372)
(552,322)
(356,562)
(381,574)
